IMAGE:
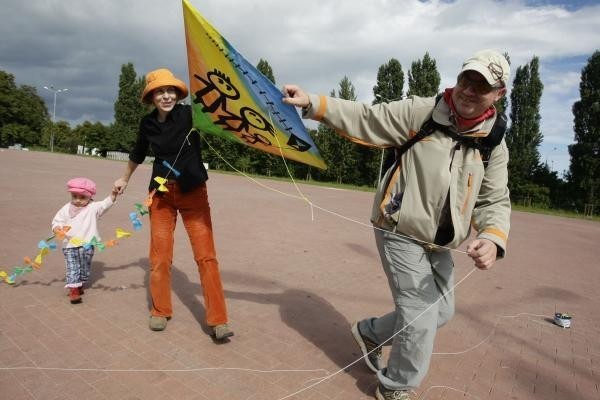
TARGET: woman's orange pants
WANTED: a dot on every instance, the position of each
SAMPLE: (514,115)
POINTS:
(195,212)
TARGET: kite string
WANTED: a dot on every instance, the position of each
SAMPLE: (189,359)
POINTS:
(488,336)
(313,205)
(260,371)
(382,343)
(303,197)
(185,139)
(422,396)
(246,175)
(275,370)
(299,191)
(312,213)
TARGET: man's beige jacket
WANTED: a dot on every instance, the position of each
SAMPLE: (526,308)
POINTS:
(433,169)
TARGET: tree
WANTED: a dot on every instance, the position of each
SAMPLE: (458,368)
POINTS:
(584,171)
(222,153)
(128,109)
(325,139)
(390,82)
(7,90)
(64,141)
(524,136)
(266,163)
(264,67)
(502,104)
(22,113)
(423,78)
(31,108)
(339,153)
(11,134)
(547,179)
(93,135)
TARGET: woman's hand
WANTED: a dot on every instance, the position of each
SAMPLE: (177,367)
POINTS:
(120,185)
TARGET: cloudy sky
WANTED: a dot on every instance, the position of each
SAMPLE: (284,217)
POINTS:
(81,45)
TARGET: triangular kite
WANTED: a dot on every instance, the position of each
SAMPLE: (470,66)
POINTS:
(233,100)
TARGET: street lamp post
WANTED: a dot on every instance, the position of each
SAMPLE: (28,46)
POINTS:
(385,100)
(55,91)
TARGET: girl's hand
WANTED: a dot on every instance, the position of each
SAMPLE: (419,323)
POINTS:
(114,194)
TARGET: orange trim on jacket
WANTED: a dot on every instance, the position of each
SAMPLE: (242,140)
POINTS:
(386,197)
(358,141)
(322,108)
(469,190)
(496,232)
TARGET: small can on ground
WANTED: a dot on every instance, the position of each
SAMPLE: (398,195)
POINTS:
(562,319)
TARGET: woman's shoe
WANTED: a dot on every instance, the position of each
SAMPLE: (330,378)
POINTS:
(222,331)
(158,323)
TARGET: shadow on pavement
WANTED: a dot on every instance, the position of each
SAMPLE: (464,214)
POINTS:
(315,319)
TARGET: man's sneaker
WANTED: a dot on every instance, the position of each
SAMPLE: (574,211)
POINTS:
(74,296)
(371,350)
(222,331)
(387,394)
(158,323)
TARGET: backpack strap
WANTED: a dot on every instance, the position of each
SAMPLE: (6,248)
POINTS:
(494,138)
(485,145)
(427,129)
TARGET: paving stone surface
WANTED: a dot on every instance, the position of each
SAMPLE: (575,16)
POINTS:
(295,278)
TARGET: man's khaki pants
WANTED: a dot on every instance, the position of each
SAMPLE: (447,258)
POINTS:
(418,278)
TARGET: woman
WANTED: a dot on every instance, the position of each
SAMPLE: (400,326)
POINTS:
(167,130)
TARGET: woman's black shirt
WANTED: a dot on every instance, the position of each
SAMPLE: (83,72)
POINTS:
(167,139)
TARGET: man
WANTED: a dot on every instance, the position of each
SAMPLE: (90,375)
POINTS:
(425,206)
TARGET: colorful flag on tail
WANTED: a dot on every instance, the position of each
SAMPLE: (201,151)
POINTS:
(232,99)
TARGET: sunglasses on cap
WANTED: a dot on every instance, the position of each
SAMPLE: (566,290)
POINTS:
(481,87)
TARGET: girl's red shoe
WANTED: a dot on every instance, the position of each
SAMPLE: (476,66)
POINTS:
(74,295)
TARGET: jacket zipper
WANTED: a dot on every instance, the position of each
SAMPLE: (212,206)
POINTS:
(469,189)
(439,215)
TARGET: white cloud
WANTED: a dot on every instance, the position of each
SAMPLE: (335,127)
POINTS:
(561,83)
(82,44)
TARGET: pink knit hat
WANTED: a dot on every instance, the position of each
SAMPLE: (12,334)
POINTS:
(82,186)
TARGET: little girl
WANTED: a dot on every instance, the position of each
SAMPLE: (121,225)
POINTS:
(81,215)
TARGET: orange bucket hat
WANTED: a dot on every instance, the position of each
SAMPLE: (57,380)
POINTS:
(162,77)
